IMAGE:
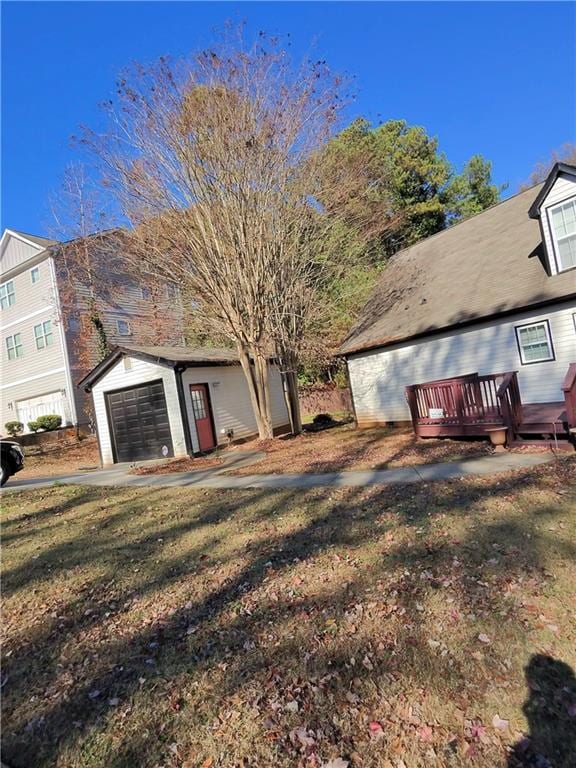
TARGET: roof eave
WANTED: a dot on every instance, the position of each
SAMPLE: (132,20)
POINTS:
(372,345)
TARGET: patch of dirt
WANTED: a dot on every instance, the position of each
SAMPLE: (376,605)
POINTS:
(60,459)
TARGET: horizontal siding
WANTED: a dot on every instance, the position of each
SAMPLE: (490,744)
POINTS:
(42,385)
(16,252)
(562,189)
(30,297)
(230,398)
(33,361)
(378,378)
(140,373)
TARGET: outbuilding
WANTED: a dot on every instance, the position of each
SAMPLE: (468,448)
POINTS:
(155,402)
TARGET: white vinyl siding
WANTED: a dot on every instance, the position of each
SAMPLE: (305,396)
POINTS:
(564,231)
(140,372)
(43,334)
(562,192)
(14,346)
(230,400)
(7,294)
(378,378)
(534,343)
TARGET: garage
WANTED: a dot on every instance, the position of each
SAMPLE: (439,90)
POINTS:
(139,424)
(155,401)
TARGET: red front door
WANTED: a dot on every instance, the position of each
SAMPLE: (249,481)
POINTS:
(202,416)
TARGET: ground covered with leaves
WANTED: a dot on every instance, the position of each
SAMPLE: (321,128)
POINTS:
(60,459)
(429,625)
(345,447)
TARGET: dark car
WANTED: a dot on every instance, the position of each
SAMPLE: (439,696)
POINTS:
(12,459)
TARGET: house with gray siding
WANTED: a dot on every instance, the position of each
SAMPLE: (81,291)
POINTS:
(51,325)
(475,327)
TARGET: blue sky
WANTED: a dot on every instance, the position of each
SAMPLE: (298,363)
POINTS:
(493,78)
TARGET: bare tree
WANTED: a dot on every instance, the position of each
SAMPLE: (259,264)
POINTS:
(566,154)
(214,162)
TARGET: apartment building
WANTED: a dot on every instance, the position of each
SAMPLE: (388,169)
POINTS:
(61,308)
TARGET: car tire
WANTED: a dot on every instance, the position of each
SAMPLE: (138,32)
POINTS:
(4,475)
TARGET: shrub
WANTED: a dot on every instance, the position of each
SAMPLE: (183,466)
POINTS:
(323,418)
(49,422)
(33,426)
(13,427)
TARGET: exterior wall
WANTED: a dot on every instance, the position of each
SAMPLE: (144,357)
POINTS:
(39,371)
(140,372)
(563,188)
(44,384)
(378,378)
(16,252)
(230,398)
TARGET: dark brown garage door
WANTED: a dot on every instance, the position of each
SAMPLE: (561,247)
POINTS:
(139,426)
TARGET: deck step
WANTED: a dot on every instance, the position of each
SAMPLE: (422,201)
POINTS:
(562,444)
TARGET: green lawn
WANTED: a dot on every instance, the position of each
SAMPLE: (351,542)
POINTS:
(387,627)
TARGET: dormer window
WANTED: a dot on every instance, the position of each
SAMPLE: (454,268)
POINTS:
(563,219)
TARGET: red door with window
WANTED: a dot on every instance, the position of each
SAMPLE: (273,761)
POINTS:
(202,416)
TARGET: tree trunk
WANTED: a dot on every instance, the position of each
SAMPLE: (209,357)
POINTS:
(257,381)
(291,393)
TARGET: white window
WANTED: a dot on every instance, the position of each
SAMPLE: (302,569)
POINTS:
(35,274)
(534,342)
(123,327)
(43,334)
(14,346)
(564,229)
(7,294)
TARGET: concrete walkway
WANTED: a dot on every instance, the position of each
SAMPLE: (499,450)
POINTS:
(213,478)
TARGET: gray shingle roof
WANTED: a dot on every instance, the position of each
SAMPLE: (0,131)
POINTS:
(487,265)
(170,356)
(43,242)
(186,354)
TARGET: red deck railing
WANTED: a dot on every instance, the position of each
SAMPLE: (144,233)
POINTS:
(465,405)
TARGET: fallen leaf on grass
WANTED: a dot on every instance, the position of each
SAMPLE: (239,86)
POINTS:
(425,733)
(376,730)
(336,763)
(497,722)
(484,638)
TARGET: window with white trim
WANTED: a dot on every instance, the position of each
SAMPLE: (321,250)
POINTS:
(563,219)
(35,274)
(7,294)
(123,327)
(43,334)
(534,342)
(14,346)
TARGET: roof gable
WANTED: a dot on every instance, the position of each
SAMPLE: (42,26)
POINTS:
(559,169)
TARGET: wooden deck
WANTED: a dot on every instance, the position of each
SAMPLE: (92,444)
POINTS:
(542,418)
(473,405)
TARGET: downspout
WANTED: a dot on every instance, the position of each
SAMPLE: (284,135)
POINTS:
(178,370)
